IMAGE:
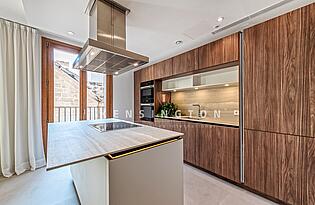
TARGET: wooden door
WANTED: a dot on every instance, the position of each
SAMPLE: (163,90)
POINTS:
(219,151)
(163,69)
(225,50)
(185,62)
(273,165)
(278,74)
(48,47)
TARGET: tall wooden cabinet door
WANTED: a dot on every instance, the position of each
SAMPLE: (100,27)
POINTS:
(185,62)
(163,69)
(137,80)
(308,179)
(277,75)
(273,165)
(311,72)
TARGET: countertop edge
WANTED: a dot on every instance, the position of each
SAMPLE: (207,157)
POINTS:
(198,121)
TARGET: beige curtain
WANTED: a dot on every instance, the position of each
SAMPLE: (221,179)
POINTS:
(21,146)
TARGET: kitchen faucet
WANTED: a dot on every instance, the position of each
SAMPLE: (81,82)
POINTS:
(197,105)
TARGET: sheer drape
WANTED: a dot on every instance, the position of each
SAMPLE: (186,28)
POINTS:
(21,145)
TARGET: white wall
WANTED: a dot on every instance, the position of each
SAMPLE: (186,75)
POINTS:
(123,95)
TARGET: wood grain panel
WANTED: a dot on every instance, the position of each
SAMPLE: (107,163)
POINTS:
(310,170)
(83,95)
(185,62)
(147,74)
(261,77)
(163,69)
(137,81)
(279,73)
(222,51)
(219,151)
(272,165)
(311,69)
(109,96)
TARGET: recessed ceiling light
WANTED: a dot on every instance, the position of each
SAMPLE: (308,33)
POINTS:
(92,53)
(135,64)
(226,85)
(81,66)
(196,88)
(220,19)
(179,42)
(116,73)
(71,33)
(174,90)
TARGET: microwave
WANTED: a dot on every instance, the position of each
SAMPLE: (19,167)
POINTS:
(147,92)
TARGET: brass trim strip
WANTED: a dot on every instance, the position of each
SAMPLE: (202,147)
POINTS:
(142,149)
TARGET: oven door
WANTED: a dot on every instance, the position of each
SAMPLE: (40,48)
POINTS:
(147,112)
(147,94)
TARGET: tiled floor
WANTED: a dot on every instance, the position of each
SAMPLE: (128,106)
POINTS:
(55,188)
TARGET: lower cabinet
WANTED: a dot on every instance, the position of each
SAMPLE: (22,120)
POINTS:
(213,148)
(273,165)
(219,150)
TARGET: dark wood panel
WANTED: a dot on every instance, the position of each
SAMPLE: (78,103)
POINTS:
(278,75)
(137,81)
(222,51)
(109,96)
(311,70)
(147,74)
(163,69)
(310,170)
(272,165)
(185,62)
(219,151)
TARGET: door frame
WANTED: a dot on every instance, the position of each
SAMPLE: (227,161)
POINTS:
(48,46)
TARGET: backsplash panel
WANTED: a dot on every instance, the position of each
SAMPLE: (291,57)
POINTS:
(219,103)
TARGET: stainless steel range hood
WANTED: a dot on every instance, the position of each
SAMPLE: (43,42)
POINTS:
(105,50)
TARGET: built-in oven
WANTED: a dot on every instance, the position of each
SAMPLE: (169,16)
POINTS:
(147,101)
(147,92)
(147,112)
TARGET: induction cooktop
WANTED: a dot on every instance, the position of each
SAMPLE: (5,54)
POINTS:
(109,126)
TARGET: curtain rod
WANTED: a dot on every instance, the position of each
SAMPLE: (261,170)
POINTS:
(19,23)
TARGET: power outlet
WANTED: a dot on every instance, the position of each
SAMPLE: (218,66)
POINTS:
(236,112)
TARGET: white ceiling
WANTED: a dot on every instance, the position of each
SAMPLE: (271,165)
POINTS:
(153,26)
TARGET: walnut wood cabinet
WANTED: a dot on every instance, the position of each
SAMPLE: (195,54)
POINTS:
(163,69)
(279,74)
(219,150)
(189,130)
(273,165)
(279,107)
(308,177)
(222,51)
(147,74)
(185,62)
(213,148)
(137,81)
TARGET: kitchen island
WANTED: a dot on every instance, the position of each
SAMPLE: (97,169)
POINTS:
(114,162)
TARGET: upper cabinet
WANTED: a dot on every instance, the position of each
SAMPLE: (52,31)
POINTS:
(279,82)
(147,74)
(219,52)
(185,62)
(163,69)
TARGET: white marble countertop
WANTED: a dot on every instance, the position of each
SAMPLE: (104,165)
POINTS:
(72,142)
